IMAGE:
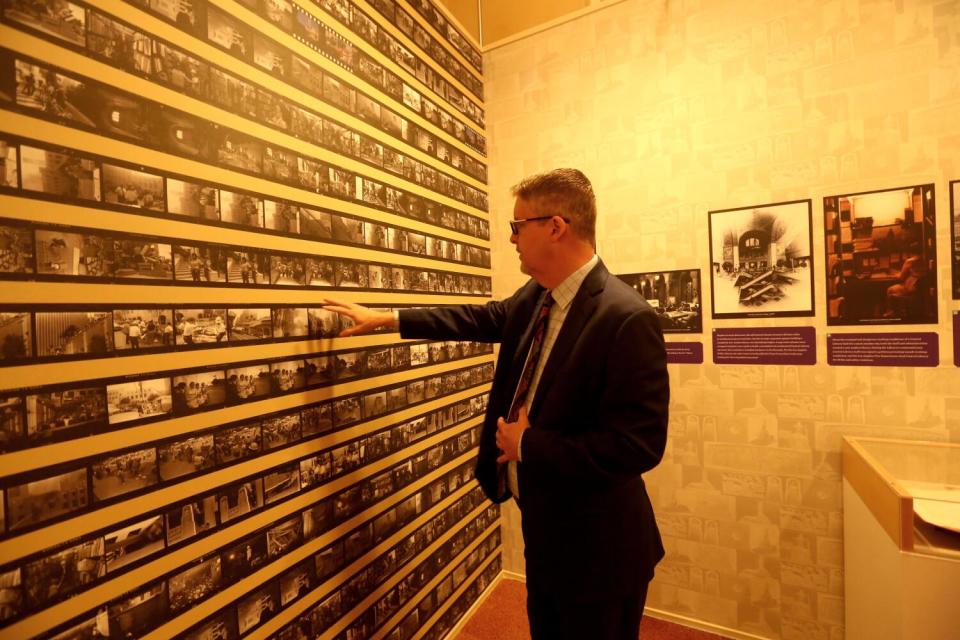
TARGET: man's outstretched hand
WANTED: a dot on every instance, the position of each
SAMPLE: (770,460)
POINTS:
(364,320)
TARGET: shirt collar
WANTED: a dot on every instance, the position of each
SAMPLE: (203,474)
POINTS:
(564,293)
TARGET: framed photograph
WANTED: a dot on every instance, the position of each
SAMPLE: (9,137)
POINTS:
(250,324)
(63,175)
(68,333)
(189,519)
(287,376)
(65,413)
(16,249)
(193,199)
(290,322)
(124,473)
(200,263)
(52,577)
(674,295)
(143,258)
(201,326)
(240,499)
(194,584)
(137,329)
(134,616)
(17,336)
(194,392)
(37,501)
(186,456)
(248,383)
(761,261)
(881,252)
(955,237)
(129,401)
(133,542)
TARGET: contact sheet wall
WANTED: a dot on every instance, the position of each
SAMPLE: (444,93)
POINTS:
(186,449)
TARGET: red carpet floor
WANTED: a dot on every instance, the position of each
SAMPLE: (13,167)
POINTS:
(503,616)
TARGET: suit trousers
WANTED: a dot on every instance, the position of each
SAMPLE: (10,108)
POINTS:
(553,618)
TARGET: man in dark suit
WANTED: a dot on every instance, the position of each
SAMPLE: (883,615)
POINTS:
(577,412)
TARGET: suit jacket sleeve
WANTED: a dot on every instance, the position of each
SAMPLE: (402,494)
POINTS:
(478,322)
(628,432)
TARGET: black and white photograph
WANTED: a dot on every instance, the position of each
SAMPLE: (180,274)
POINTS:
(221,626)
(240,152)
(881,249)
(284,536)
(340,183)
(68,333)
(281,216)
(132,617)
(250,324)
(233,94)
(120,45)
(378,276)
(315,224)
(11,594)
(374,404)
(315,470)
(240,499)
(64,572)
(133,542)
(379,361)
(201,326)
(319,370)
(762,261)
(317,419)
(96,625)
(186,456)
(287,270)
(321,272)
(280,165)
(346,229)
(53,94)
(16,336)
(129,188)
(193,199)
(16,249)
(257,607)
(350,364)
(954,236)
(137,329)
(270,56)
(63,175)
(237,442)
(129,401)
(396,398)
(142,258)
(188,519)
(674,295)
(281,430)
(244,558)
(181,71)
(248,383)
(65,413)
(281,483)
(248,267)
(228,32)
(323,323)
(180,133)
(415,391)
(351,274)
(240,208)
(60,19)
(200,263)
(194,584)
(346,410)
(124,473)
(290,322)
(12,423)
(339,93)
(296,583)
(194,392)
(40,500)
(329,560)
(74,254)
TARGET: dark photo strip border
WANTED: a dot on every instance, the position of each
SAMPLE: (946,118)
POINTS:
(89,105)
(80,254)
(452,615)
(201,515)
(180,70)
(36,416)
(676,296)
(426,8)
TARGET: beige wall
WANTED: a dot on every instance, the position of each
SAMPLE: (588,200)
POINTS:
(677,108)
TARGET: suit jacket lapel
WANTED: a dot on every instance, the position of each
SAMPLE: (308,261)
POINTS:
(583,306)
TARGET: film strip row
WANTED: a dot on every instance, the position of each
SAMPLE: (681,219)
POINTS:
(157,60)
(36,251)
(124,546)
(36,416)
(397,15)
(198,517)
(44,91)
(210,24)
(52,332)
(363,584)
(446,622)
(361,24)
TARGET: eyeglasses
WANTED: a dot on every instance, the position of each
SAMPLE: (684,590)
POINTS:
(515,224)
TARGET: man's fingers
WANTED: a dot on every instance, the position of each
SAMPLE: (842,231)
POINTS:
(503,459)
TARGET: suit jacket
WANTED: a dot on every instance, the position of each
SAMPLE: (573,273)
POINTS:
(598,421)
